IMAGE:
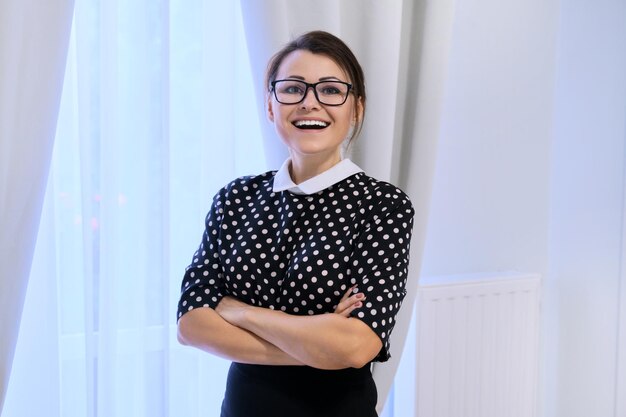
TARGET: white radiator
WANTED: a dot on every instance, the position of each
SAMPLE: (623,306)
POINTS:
(477,346)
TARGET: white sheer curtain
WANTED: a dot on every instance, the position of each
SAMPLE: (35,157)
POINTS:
(33,45)
(157,113)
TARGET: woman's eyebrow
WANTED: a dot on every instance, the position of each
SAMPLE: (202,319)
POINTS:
(298,77)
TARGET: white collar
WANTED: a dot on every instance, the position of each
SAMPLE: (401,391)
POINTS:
(333,175)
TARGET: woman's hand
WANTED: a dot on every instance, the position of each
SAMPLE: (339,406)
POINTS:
(232,310)
(348,302)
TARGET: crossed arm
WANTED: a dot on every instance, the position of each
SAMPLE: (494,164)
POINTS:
(248,334)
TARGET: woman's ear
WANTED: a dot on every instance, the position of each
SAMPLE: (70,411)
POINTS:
(270,110)
(358,114)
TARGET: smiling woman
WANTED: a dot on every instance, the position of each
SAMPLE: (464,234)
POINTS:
(312,151)
(301,272)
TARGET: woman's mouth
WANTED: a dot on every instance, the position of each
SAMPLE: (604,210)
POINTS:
(310,124)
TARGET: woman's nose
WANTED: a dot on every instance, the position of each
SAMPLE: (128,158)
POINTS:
(310,100)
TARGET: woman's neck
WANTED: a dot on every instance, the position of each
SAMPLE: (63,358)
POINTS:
(304,167)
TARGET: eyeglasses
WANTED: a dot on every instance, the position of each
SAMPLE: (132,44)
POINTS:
(329,93)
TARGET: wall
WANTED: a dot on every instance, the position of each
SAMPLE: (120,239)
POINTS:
(530,177)
(489,209)
(586,229)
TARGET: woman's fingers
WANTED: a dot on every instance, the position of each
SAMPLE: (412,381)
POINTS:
(346,311)
(344,303)
(349,302)
(347,294)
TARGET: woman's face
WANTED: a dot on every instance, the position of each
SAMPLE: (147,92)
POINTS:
(336,121)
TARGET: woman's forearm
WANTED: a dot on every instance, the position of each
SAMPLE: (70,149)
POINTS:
(204,329)
(326,341)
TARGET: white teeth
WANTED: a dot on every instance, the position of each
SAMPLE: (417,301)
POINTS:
(299,123)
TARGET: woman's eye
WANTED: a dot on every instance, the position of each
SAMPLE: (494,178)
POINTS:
(330,91)
(292,89)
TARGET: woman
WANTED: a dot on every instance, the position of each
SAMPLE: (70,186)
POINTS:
(282,248)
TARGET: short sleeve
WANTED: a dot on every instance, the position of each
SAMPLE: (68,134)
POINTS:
(202,284)
(380,262)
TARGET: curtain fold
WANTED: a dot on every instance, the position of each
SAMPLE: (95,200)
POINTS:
(33,46)
(425,50)
(403,47)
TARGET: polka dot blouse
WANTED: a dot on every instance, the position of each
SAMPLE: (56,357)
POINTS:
(300,253)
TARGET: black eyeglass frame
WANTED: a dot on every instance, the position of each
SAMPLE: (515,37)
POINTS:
(313,86)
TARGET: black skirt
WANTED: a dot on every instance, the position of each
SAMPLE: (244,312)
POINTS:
(298,391)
